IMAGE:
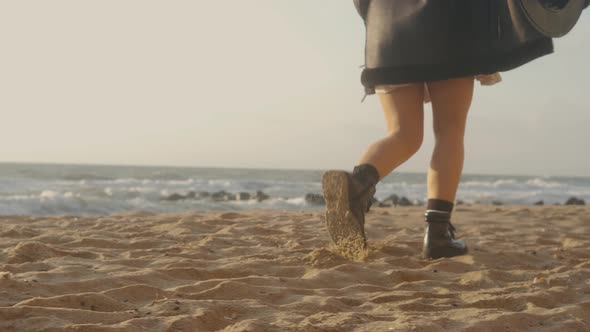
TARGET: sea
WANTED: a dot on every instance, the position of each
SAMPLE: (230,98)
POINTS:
(90,190)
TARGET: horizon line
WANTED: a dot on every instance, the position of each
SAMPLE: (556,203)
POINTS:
(252,168)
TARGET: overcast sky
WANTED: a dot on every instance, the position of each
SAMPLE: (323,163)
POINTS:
(265,84)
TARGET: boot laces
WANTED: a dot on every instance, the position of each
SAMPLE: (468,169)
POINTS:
(452,230)
(362,197)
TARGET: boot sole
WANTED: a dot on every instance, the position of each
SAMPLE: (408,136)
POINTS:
(443,252)
(344,228)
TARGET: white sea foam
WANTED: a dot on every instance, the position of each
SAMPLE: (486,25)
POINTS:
(128,181)
(297,201)
(223,183)
(19,197)
(494,184)
(48,195)
(538,182)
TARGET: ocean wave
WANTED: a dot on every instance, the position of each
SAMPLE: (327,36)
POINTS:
(48,195)
(86,177)
(144,181)
(18,197)
(538,182)
(105,190)
(222,183)
(494,184)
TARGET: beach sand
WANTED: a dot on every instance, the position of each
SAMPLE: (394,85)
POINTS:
(528,270)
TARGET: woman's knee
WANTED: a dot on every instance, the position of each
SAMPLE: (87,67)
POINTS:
(411,138)
(450,142)
(449,133)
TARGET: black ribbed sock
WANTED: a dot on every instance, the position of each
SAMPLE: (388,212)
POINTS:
(440,205)
(366,173)
(438,210)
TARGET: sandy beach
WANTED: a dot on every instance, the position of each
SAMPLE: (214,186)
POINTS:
(528,270)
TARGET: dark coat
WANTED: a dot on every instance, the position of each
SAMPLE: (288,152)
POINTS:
(411,41)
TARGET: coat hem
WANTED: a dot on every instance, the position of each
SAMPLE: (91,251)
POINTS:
(488,64)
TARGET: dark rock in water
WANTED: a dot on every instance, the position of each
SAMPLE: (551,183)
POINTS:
(374,201)
(223,196)
(243,196)
(174,197)
(378,203)
(384,204)
(315,199)
(191,195)
(218,196)
(260,196)
(539,203)
(404,201)
(497,203)
(575,201)
(393,199)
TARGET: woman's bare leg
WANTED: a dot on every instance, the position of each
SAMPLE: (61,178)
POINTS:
(404,116)
(451,100)
(348,196)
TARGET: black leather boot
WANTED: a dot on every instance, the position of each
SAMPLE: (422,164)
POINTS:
(348,197)
(439,237)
